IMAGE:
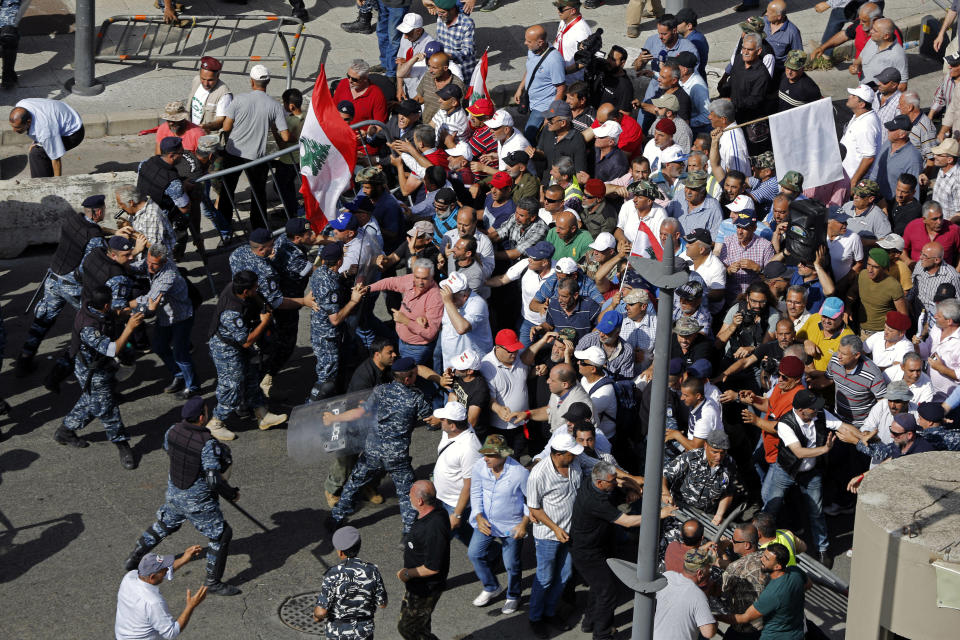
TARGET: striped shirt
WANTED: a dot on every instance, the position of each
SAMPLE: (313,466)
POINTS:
(480,143)
(944,93)
(154,225)
(923,136)
(925,285)
(857,390)
(889,109)
(176,305)
(555,493)
(758,250)
(457,41)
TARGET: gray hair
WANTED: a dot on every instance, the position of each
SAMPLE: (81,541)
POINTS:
(425,134)
(673,66)
(796,350)
(129,193)
(912,355)
(529,204)
(950,309)
(854,342)
(602,470)
(422,263)
(754,39)
(360,66)
(697,154)
(797,288)
(723,108)
(565,166)
(929,206)
(912,98)
(673,222)
(159,250)
(873,13)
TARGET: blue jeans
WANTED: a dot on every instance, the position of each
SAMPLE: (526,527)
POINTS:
(464,532)
(523,333)
(554,567)
(421,353)
(835,22)
(532,129)
(388,38)
(776,485)
(172,344)
(479,554)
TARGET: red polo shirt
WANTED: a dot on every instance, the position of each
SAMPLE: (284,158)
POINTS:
(631,139)
(915,236)
(368,106)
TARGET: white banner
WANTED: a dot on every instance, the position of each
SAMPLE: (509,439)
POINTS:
(805,140)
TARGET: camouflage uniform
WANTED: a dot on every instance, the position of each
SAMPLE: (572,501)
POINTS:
(94,367)
(351,592)
(324,337)
(293,270)
(238,371)
(198,504)
(694,483)
(743,580)
(387,447)
(9,38)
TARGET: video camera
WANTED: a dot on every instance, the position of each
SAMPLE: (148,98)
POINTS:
(593,60)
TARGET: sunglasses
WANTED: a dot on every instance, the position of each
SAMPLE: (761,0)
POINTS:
(554,199)
(353,79)
(896,433)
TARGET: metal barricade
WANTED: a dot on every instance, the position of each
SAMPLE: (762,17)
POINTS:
(147,38)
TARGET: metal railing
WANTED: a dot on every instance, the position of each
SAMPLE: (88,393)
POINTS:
(148,38)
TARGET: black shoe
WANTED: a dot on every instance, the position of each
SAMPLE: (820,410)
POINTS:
(127,457)
(186,394)
(243,412)
(825,559)
(740,8)
(133,560)
(66,436)
(540,629)
(174,386)
(490,5)
(586,626)
(222,589)
(559,622)
(331,524)
(24,366)
(360,25)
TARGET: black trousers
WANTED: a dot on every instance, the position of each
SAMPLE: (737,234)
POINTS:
(602,599)
(257,177)
(41,166)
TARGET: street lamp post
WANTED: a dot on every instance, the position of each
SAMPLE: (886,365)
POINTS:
(641,577)
(84,83)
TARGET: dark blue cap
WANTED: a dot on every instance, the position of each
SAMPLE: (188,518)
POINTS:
(676,366)
(94,202)
(331,252)
(192,408)
(541,251)
(701,368)
(296,226)
(345,106)
(171,144)
(404,364)
(931,411)
(261,236)
(432,48)
(120,243)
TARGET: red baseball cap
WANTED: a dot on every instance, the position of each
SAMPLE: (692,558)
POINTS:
(595,187)
(507,338)
(481,108)
(501,180)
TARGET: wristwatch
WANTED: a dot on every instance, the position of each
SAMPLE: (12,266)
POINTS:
(458,516)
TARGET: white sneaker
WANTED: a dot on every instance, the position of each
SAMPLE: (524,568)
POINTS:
(485,597)
(510,606)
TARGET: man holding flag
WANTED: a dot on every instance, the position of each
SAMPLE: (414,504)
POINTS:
(638,225)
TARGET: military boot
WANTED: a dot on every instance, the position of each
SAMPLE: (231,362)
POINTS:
(361,24)
(215,569)
(266,385)
(219,430)
(62,368)
(23,365)
(127,458)
(142,549)
(67,436)
(267,419)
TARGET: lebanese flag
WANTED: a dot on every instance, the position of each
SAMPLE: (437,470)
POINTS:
(327,156)
(646,244)
(478,82)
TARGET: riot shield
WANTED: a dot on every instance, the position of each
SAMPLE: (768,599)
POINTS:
(311,440)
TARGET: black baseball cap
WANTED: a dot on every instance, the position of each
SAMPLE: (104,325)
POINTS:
(446,195)
(685,58)
(699,235)
(408,107)
(516,157)
(774,269)
(346,107)
(806,399)
(945,291)
(899,123)
(686,15)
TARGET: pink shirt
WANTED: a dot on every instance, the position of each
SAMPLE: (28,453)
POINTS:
(189,137)
(915,236)
(428,304)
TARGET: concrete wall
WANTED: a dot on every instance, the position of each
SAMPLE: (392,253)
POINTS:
(31,209)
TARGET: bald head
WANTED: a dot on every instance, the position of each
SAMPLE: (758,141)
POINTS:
(564,218)
(19,119)
(885,27)
(776,9)
(438,63)
(869,11)
(933,249)
(534,34)
(424,490)
(564,373)
(607,111)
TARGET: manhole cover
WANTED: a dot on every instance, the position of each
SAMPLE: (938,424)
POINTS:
(297,613)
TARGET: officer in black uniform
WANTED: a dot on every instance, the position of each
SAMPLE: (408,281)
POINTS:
(351,591)
(158,178)
(79,234)
(194,485)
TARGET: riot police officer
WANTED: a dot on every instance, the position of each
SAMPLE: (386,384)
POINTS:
(9,40)
(325,322)
(92,351)
(194,485)
(398,406)
(240,320)
(158,178)
(293,268)
(107,266)
(351,591)
(79,233)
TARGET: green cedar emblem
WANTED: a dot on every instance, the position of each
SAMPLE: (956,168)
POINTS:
(314,154)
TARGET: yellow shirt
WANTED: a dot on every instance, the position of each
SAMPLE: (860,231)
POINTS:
(813,332)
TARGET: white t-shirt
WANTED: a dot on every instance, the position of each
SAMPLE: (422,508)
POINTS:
(653,153)
(566,43)
(455,459)
(733,151)
(406,51)
(845,250)
(516,142)
(604,405)
(788,437)
(714,274)
(682,608)
(508,386)
(200,97)
(862,138)
(452,344)
(887,358)
(455,123)
(142,613)
(629,222)
(705,418)
(530,283)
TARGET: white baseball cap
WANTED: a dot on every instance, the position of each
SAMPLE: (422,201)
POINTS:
(453,411)
(891,241)
(742,202)
(469,359)
(673,153)
(501,118)
(461,149)
(410,22)
(562,441)
(863,92)
(594,355)
(604,241)
(567,266)
(260,72)
(609,129)
(455,282)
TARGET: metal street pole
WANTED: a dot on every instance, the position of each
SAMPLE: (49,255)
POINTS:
(84,83)
(641,577)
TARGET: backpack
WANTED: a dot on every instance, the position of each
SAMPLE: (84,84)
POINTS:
(806,231)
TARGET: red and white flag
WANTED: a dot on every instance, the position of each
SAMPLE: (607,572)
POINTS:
(328,155)
(478,82)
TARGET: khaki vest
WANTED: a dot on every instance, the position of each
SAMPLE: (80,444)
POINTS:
(210,106)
